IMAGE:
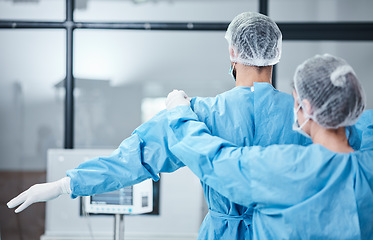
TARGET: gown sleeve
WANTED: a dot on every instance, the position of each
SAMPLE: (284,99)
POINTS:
(280,175)
(141,156)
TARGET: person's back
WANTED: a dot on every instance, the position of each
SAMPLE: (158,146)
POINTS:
(255,46)
(320,191)
(329,197)
(226,219)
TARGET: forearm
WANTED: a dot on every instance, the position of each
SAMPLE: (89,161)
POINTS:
(143,155)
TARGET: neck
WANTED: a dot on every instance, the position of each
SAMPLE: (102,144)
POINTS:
(332,139)
(247,75)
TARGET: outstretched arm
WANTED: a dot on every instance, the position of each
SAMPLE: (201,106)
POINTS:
(143,155)
(146,152)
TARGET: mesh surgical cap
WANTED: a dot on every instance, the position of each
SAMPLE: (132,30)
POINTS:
(333,90)
(255,40)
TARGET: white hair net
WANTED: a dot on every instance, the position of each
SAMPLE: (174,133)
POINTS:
(255,40)
(333,90)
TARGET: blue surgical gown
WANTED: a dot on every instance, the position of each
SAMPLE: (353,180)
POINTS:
(364,128)
(231,115)
(296,192)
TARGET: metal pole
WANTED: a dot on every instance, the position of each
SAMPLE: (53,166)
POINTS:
(169,26)
(119,227)
(336,31)
(69,81)
(263,7)
(309,31)
(30,24)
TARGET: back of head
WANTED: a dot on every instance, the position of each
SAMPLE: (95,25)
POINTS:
(255,40)
(333,90)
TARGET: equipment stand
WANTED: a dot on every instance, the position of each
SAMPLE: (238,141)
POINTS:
(119,227)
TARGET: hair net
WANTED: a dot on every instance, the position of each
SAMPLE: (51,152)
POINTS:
(333,90)
(255,40)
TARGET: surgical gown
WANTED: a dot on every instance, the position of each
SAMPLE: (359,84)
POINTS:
(364,128)
(232,116)
(296,192)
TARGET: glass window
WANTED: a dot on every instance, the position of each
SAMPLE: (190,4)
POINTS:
(116,70)
(32,62)
(35,10)
(162,10)
(358,54)
(321,10)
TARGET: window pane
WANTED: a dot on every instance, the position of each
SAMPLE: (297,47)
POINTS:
(321,10)
(35,10)
(31,107)
(121,68)
(358,54)
(162,10)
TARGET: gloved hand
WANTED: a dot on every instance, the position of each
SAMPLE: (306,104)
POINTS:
(40,193)
(177,98)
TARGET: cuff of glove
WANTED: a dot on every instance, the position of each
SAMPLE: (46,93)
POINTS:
(65,185)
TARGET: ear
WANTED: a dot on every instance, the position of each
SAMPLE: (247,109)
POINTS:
(232,53)
(295,96)
(307,107)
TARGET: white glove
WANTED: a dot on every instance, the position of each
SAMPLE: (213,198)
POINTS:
(40,193)
(177,98)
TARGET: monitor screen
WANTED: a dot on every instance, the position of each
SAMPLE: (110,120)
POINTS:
(123,196)
(136,199)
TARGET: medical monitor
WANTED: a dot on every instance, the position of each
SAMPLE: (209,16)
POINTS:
(136,199)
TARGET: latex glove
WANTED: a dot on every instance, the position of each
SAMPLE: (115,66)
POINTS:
(177,98)
(40,193)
